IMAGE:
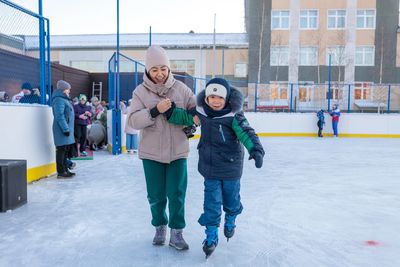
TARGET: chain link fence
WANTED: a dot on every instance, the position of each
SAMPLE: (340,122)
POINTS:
(20,64)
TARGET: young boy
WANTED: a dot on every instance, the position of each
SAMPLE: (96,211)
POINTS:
(223,125)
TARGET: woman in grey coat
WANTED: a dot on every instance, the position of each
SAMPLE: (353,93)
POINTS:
(63,127)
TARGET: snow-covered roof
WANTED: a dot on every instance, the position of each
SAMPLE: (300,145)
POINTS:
(170,40)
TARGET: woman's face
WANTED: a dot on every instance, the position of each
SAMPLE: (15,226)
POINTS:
(67,91)
(159,74)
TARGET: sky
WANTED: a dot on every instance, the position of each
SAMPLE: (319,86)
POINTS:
(172,16)
(316,202)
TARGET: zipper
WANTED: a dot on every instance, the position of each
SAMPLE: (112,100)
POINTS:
(222,133)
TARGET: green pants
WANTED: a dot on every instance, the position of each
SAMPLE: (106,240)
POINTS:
(166,181)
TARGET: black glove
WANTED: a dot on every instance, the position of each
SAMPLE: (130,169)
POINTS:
(189,131)
(169,112)
(258,158)
(66,133)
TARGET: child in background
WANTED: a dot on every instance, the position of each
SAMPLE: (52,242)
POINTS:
(131,135)
(321,122)
(223,129)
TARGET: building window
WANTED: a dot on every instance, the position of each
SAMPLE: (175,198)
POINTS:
(89,65)
(240,70)
(365,19)
(183,66)
(362,91)
(306,91)
(279,56)
(337,55)
(308,56)
(336,19)
(308,19)
(335,93)
(365,56)
(280,19)
(279,91)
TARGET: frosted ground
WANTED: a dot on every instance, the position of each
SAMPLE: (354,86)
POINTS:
(315,202)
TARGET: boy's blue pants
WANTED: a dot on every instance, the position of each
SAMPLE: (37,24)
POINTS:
(219,193)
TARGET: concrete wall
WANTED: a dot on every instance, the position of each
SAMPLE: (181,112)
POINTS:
(26,131)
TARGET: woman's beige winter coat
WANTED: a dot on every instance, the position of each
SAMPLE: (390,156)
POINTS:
(159,140)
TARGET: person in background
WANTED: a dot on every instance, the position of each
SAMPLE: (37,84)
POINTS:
(3,96)
(17,97)
(335,114)
(321,122)
(29,96)
(82,118)
(163,147)
(131,135)
(75,101)
(63,127)
(223,128)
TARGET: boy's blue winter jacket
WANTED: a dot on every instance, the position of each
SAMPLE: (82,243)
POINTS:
(220,150)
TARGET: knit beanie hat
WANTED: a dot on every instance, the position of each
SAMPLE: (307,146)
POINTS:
(83,97)
(156,55)
(63,85)
(218,87)
(27,86)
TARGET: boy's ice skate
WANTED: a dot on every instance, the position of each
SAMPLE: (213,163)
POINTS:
(160,236)
(229,226)
(177,240)
(211,241)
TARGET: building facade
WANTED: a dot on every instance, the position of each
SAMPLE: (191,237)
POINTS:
(310,42)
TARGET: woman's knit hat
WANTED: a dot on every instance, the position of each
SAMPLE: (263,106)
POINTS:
(155,56)
(63,85)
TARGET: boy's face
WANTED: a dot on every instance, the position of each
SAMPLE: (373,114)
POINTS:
(216,102)
(159,74)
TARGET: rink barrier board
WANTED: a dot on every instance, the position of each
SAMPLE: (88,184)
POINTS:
(329,135)
(39,172)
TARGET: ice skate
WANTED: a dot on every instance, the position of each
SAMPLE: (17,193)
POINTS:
(211,241)
(229,226)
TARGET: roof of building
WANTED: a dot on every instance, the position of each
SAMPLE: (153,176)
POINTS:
(138,40)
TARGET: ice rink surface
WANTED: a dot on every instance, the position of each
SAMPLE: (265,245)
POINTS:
(315,202)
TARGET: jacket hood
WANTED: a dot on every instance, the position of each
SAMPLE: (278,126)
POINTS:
(235,100)
(159,89)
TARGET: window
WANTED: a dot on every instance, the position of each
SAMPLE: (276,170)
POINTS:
(279,56)
(279,90)
(240,70)
(308,56)
(337,55)
(89,65)
(365,19)
(305,91)
(336,19)
(335,92)
(183,66)
(365,56)
(308,19)
(280,19)
(362,91)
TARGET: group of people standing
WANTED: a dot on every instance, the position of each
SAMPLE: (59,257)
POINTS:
(161,107)
(70,126)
